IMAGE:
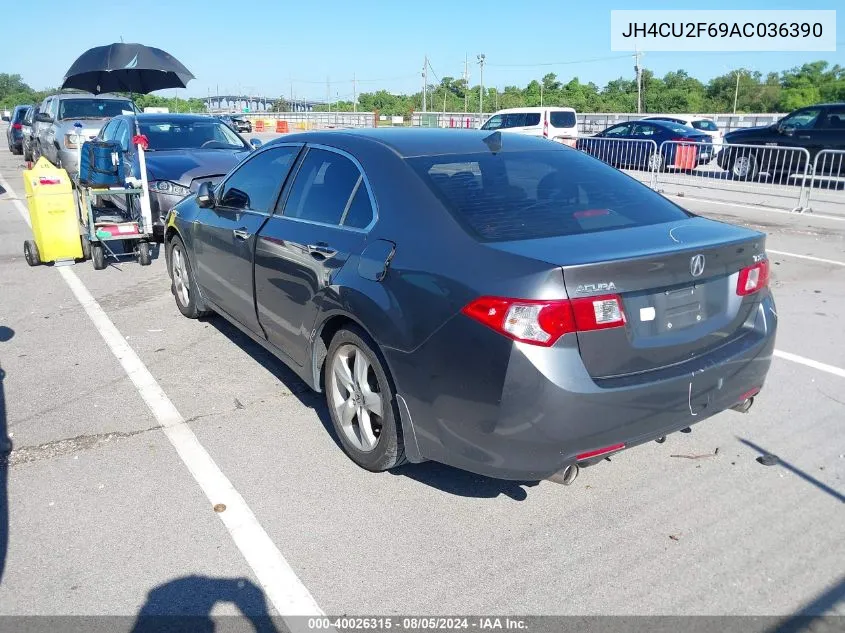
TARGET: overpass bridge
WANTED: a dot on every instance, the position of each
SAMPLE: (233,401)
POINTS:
(237,103)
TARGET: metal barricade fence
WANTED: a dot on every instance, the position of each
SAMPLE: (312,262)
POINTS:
(637,157)
(826,185)
(764,175)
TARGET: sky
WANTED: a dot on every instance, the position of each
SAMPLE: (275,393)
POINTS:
(312,49)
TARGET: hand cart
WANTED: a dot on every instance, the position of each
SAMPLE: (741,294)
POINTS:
(103,225)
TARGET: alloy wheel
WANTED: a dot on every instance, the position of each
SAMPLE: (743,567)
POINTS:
(356,397)
(180,276)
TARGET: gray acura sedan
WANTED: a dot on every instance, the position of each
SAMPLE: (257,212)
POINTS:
(499,303)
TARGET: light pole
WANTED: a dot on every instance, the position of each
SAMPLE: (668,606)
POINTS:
(481,58)
(736,90)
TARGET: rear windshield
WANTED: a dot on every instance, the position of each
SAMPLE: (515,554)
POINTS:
(19,115)
(705,125)
(540,193)
(562,119)
(93,108)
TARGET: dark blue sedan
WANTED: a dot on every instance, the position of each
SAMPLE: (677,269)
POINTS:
(649,145)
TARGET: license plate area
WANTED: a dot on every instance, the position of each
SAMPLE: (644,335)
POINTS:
(680,308)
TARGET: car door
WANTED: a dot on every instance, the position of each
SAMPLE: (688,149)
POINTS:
(48,144)
(225,234)
(612,150)
(796,130)
(829,134)
(646,140)
(40,127)
(321,221)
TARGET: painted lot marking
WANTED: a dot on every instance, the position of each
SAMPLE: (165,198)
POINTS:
(795,358)
(835,262)
(281,584)
(680,199)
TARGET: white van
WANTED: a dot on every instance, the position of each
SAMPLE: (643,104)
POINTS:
(557,124)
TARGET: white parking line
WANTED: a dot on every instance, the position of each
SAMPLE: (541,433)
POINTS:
(756,207)
(281,584)
(835,262)
(830,369)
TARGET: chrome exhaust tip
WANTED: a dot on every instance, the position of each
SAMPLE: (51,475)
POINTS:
(566,476)
(743,406)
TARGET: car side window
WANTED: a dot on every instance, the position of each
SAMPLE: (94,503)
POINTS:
(803,120)
(532,118)
(54,108)
(324,191)
(835,119)
(107,133)
(619,130)
(644,130)
(494,123)
(121,135)
(255,184)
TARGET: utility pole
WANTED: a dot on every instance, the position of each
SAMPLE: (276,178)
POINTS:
(736,90)
(481,58)
(466,82)
(354,94)
(541,94)
(638,69)
(328,93)
(425,81)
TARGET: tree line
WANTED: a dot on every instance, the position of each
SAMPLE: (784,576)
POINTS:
(676,91)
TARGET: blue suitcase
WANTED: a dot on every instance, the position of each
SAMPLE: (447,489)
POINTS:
(101,164)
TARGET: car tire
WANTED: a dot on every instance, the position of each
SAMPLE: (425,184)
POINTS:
(744,167)
(183,285)
(144,254)
(98,256)
(355,394)
(27,155)
(31,254)
(36,152)
(86,247)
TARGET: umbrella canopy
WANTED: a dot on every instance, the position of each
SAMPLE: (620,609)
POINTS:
(126,68)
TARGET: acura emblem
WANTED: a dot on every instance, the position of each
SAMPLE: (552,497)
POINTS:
(696,265)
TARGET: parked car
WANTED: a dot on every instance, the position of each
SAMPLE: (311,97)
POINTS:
(57,135)
(627,144)
(184,150)
(814,128)
(558,124)
(27,132)
(14,134)
(702,124)
(490,301)
(237,123)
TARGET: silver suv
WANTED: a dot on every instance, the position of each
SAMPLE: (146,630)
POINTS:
(65,121)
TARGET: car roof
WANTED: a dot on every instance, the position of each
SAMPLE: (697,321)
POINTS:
(78,95)
(413,142)
(164,117)
(535,109)
(686,117)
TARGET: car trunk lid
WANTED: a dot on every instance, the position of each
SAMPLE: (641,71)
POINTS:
(676,282)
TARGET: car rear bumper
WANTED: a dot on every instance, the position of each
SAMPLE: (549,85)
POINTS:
(541,412)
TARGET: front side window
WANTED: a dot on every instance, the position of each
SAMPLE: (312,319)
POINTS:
(803,120)
(494,123)
(329,189)
(255,184)
(122,136)
(619,130)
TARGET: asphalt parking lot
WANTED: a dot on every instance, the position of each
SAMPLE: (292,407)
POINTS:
(108,512)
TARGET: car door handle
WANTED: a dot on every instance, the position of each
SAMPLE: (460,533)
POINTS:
(241,234)
(322,248)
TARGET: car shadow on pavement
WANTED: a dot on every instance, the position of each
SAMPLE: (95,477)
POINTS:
(5,448)
(795,470)
(827,606)
(445,478)
(184,605)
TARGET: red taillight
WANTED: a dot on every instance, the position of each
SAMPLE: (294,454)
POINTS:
(684,139)
(544,322)
(753,278)
(16,126)
(600,451)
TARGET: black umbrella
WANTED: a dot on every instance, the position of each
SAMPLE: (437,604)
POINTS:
(126,68)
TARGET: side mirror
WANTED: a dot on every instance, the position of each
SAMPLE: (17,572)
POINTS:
(205,195)
(44,117)
(256,143)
